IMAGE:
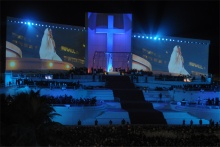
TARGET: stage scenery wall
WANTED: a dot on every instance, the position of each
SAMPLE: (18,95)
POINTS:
(177,56)
(34,45)
(109,41)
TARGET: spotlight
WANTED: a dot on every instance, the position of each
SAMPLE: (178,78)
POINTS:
(67,66)
(12,64)
(50,64)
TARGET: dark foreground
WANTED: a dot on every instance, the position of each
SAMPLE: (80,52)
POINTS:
(133,135)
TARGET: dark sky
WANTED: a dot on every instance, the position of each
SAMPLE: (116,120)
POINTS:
(190,19)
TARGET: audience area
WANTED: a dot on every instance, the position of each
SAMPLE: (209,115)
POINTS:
(134,135)
(139,132)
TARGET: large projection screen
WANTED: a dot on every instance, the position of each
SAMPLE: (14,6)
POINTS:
(162,55)
(34,45)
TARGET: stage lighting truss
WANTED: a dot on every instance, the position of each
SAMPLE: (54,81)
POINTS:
(120,60)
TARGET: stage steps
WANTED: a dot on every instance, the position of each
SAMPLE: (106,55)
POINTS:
(113,112)
(115,117)
(118,82)
(70,115)
(101,94)
(153,96)
(133,101)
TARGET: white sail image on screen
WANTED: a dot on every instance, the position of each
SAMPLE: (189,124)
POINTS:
(176,63)
(47,48)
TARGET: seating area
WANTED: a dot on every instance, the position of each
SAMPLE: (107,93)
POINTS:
(135,135)
(120,98)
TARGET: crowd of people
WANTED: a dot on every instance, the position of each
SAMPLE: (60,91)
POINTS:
(161,77)
(135,135)
(70,100)
(197,87)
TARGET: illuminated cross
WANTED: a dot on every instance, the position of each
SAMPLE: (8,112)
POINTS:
(110,31)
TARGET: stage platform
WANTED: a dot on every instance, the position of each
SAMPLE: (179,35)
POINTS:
(113,73)
(111,110)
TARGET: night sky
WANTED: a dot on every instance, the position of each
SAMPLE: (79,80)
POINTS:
(189,19)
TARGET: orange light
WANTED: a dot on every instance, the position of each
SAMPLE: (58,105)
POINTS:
(67,66)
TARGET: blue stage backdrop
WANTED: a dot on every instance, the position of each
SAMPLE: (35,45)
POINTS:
(106,42)
(110,34)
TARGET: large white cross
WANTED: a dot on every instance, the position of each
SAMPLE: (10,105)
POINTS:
(110,31)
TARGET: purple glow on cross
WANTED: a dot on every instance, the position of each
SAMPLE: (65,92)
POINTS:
(110,31)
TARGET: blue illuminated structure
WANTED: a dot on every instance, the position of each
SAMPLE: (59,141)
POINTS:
(111,35)
(108,45)
(110,32)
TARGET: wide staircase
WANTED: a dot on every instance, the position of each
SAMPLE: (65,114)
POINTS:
(133,101)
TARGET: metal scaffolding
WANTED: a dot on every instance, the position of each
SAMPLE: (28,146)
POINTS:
(120,60)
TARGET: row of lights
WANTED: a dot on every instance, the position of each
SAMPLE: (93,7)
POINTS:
(138,36)
(165,39)
(57,27)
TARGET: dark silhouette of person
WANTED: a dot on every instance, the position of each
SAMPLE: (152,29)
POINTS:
(79,123)
(200,122)
(96,122)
